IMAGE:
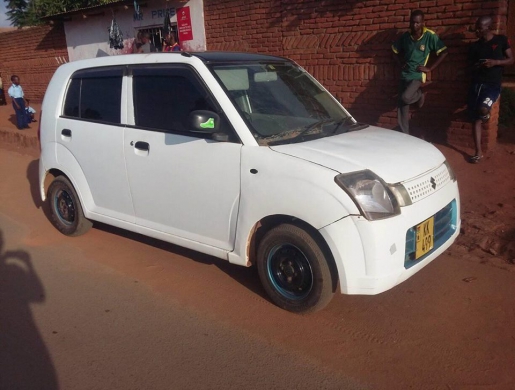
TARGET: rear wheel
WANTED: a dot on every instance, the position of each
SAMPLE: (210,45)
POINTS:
(293,269)
(66,211)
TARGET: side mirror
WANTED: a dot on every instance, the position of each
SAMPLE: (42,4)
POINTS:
(202,121)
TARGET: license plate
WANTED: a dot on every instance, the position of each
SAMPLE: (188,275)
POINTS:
(425,237)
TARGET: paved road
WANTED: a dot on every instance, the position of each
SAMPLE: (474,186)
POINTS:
(114,310)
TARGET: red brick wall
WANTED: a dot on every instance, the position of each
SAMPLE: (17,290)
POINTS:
(33,54)
(346,46)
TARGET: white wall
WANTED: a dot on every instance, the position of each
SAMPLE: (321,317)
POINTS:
(88,38)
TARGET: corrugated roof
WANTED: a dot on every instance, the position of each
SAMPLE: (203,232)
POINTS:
(108,3)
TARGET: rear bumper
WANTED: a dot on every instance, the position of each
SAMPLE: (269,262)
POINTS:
(371,255)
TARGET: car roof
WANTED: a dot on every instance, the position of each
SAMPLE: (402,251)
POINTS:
(225,56)
(164,58)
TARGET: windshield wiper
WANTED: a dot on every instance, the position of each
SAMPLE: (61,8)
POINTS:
(347,120)
(277,139)
(312,126)
(355,126)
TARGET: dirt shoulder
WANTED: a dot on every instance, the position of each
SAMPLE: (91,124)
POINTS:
(487,193)
(24,141)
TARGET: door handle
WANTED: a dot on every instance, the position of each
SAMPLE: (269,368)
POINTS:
(66,132)
(140,145)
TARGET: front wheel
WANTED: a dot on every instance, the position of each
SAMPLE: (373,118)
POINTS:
(293,269)
(66,212)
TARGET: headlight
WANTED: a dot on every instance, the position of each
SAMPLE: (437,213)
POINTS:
(371,194)
(400,193)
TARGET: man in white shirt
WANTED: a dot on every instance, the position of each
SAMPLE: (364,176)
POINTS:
(16,94)
(147,46)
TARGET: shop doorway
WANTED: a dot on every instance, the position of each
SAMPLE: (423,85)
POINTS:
(157,36)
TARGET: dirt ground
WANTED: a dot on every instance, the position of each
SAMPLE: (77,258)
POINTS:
(487,193)
(448,327)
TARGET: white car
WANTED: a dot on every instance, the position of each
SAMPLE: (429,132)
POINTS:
(247,158)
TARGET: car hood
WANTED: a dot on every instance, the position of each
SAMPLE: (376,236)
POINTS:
(392,155)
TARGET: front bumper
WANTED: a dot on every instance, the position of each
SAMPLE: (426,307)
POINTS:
(374,256)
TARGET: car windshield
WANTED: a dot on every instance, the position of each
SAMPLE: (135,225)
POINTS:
(281,102)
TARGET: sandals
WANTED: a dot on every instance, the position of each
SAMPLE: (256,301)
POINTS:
(475,159)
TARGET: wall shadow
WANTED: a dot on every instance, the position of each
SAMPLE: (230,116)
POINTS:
(380,94)
(53,39)
(292,14)
(446,89)
(506,133)
(25,362)
(445,110)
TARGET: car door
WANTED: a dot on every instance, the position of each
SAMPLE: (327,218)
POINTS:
(89,137)
(182,183)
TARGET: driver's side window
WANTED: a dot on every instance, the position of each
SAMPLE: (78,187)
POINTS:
(165,96)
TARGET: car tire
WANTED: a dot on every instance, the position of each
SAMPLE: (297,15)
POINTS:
(65,208)
(294,270)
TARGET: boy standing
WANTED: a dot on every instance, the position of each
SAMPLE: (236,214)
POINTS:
(488,56)
(16,94)
(412,52)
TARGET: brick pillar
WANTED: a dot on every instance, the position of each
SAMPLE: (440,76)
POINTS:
(489,130)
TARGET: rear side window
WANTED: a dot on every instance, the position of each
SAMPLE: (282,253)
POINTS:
(72,102)
(95,95)
(164,98)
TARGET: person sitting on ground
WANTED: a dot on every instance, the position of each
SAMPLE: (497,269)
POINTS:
(29,111)
(488,56)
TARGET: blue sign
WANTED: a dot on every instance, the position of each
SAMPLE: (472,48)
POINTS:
(160,13)
(156,14)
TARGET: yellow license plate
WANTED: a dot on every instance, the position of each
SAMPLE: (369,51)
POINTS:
(425,237)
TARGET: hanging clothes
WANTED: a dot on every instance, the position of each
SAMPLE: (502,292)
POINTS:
(136,10)
(167,26)
(115,36)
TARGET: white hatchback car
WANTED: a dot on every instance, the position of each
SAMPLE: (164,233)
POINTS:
(247,158)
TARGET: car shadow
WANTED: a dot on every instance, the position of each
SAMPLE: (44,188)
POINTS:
(25,361)
(33,179)
(463,153)
(246,276)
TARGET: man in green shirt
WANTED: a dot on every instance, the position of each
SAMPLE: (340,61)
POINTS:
(411,51)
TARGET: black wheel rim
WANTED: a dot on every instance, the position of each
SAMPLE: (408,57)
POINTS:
(289,271)
(64,207)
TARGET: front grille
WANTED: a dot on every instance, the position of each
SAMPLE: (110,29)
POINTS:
(444,228)
(424,186)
